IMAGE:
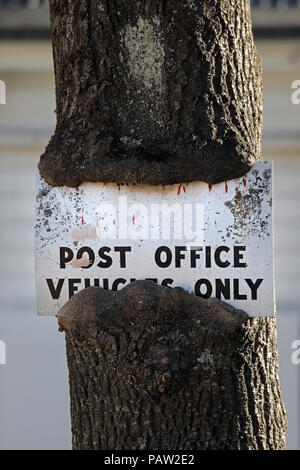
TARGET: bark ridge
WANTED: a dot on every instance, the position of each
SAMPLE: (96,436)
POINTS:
(153,92)
(160,369)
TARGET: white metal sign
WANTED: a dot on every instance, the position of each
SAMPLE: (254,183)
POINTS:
(214,241)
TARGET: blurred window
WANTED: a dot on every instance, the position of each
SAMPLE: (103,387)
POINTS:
(277,4)
(30,4)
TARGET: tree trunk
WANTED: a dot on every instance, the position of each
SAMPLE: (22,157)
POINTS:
(159,369)
(161,92)
(142,84)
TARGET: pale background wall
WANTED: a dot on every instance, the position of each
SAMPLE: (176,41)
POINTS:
(34,407)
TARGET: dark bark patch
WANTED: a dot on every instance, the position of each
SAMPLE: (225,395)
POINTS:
(153,92)
(160,369)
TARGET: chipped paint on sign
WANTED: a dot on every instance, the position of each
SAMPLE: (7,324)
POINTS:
(214,241)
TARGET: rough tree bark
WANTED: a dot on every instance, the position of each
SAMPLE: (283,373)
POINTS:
(160,369)
(161,92)
(141,84)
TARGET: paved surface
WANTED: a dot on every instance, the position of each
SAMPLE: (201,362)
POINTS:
(34,390)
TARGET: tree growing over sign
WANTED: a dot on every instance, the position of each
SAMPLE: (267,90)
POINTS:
(153,91)
(161,92)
